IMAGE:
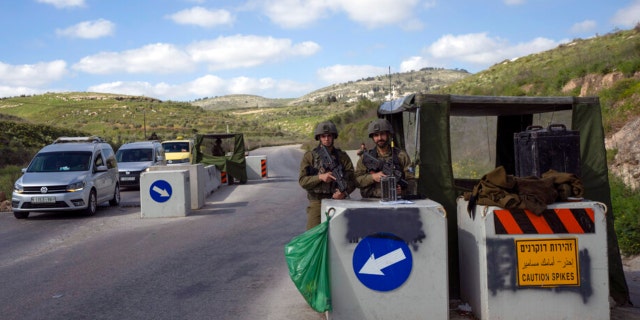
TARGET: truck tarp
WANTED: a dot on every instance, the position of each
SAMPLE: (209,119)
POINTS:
(233,162)
(436,179)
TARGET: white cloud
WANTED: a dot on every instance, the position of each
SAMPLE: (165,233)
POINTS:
(6,91)
(64,3)
(296,13)
(474,51)
(629,16)
(202,17)
(89,29)
(371,13)
(344,73)
(583,27)
(414,63)
(480,50)
(32,75)
(379,12)
(153,58)
(205,86)
(246,51)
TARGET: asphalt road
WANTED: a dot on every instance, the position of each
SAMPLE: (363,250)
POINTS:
(223,261)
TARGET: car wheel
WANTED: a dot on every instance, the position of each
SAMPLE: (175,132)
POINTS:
(92,205)
(116,197)
(21,214)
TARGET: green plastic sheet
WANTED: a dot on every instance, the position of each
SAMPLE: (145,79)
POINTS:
(307,259)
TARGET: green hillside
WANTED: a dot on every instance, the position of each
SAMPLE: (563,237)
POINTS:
(607,66)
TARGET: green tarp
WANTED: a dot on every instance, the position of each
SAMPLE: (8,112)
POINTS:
(233,163)
(436,177)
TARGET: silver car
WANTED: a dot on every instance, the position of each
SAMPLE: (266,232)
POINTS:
(73,173)
(134,158)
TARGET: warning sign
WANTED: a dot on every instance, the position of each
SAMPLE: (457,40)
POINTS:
(547,262)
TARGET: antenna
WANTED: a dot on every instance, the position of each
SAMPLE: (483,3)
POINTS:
(390,85)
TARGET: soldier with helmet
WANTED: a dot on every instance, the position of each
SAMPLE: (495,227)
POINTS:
(368,180)
(320,183)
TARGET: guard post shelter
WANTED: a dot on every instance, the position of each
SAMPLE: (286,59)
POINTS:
(232,163)
(455,139)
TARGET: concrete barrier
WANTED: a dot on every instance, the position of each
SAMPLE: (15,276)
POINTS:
(518,265)
(164,194)
(387,261)
(256,167)
(197,180)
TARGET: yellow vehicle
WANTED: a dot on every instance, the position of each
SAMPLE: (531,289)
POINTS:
(178,152)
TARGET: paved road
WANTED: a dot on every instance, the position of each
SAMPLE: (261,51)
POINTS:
(224,261)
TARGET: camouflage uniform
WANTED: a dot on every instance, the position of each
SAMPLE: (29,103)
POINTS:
(371,189)
(317,190)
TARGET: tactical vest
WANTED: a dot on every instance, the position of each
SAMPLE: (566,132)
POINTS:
(323,187)
(374,190)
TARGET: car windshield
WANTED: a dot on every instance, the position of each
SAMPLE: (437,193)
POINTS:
(60,161)
(176,147)
(134,155)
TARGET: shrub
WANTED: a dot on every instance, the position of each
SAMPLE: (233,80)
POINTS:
(626,207)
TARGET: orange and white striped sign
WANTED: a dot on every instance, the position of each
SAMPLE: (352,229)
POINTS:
(263,167)
(551,221)
(223,177)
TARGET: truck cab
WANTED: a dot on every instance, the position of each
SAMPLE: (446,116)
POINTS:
(178,152)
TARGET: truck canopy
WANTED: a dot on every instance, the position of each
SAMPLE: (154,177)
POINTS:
(445,132)
(233,161)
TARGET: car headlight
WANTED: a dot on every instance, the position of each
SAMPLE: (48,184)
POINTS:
(17,188)
(75,186)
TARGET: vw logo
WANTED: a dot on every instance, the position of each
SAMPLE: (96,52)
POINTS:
(128,172)
(44,190)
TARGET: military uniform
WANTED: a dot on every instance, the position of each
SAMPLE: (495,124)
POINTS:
(371,189)
(310,167)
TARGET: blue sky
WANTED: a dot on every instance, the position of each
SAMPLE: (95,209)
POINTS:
(183,50)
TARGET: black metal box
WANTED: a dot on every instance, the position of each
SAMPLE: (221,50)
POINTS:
(538,150)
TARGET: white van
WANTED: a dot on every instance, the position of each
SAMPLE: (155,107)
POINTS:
(73,173)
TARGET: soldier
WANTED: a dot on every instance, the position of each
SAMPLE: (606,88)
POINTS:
(326,172)
(381,161)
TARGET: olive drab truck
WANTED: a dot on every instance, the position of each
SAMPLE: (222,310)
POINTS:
(454,140)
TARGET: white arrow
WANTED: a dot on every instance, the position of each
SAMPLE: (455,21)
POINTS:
(162,192)
(375,266)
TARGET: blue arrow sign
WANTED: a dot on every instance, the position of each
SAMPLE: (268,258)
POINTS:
(382,262)
(160,191)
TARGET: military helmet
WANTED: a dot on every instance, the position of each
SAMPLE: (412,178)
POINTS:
(379,125)
(326,127)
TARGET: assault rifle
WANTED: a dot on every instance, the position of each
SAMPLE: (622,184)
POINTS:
(334,167)
(374,164)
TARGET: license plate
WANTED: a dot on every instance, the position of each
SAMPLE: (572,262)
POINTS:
(43,199)
(127,178)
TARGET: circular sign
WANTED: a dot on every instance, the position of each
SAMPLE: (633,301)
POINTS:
(160,191)
(382,262)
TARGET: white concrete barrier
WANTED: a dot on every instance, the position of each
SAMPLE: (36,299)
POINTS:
(387,261)
(212,181)
(164,194)
(256,167)
(518,265)
(197,182)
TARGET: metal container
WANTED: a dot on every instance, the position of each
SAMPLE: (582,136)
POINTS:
(538,150)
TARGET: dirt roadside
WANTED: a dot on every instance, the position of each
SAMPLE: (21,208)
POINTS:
(631,267)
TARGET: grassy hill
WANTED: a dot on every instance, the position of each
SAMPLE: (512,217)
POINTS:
(607,66)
